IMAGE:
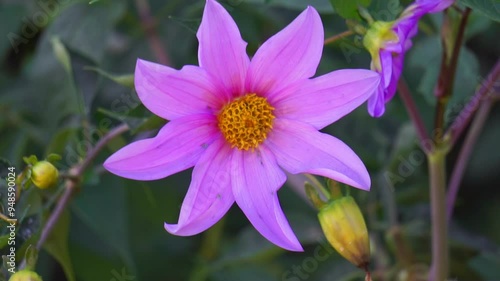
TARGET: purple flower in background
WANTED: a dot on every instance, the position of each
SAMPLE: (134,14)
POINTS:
(241,123)
(388,42)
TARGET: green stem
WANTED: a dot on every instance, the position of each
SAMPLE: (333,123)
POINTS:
(337,37)
(437,174)
(320,186)
(449,63)
(416,118)
(212,240)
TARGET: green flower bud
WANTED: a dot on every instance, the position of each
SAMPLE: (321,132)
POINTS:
(345,229)
(25,275)
(375,38)
(44,174)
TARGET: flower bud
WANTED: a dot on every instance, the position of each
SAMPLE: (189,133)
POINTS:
(25,275)
(376,37)
(44,174)
(345,229)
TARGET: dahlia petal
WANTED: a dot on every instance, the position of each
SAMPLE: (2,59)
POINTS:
(397,70)
(290,55)
(434,6)
(300,148)
(178,146)
(387,87)
(171,93)
(386,65)
(325,99)
(222,51)
(209,196)
(376,103)
(256,179)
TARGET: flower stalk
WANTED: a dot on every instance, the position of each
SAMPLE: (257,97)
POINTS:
(449,62)
(416,118)
(437,174)
(339,36)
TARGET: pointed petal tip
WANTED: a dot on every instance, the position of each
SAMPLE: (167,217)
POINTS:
(173,228)
(293,245)
(367,184)
(293,248)
(310,8)
(377,112)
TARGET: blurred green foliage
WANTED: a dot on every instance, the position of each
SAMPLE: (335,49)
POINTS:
(65,81)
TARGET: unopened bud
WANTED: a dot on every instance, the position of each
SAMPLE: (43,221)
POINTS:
(25,275)
(376,37)
(44,174)
(345,229)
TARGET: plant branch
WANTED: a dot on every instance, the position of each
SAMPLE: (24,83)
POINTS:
(148,25)
(464,155)
(339,36)
(72,182)
(465,116)
(7,219)
(416,118)
(449,63)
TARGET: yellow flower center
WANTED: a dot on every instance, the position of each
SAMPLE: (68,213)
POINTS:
(246,121)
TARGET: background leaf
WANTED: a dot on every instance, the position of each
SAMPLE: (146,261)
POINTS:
(57,245)
(489,8)
(349,9)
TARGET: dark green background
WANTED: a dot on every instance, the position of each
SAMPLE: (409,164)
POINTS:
(116,225)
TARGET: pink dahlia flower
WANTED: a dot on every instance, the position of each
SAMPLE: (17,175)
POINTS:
(388,43)
(241,123)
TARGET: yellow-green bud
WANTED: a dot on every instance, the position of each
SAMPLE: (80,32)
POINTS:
(375,38)
(25,275)
(345,229)
(44,174)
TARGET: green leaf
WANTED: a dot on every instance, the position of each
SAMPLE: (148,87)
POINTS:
(135,120)
(107,218)
(385,10)
(57,245)
(30,203)
(53,157)
(11,15)
(488,265)
(152,123)
(4,239)
(86,28)
(349,9)
(61,139)
(31,257)
(126,80)
(489,8)
(31,160)
(61,54)
(321,5)
(426,56)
